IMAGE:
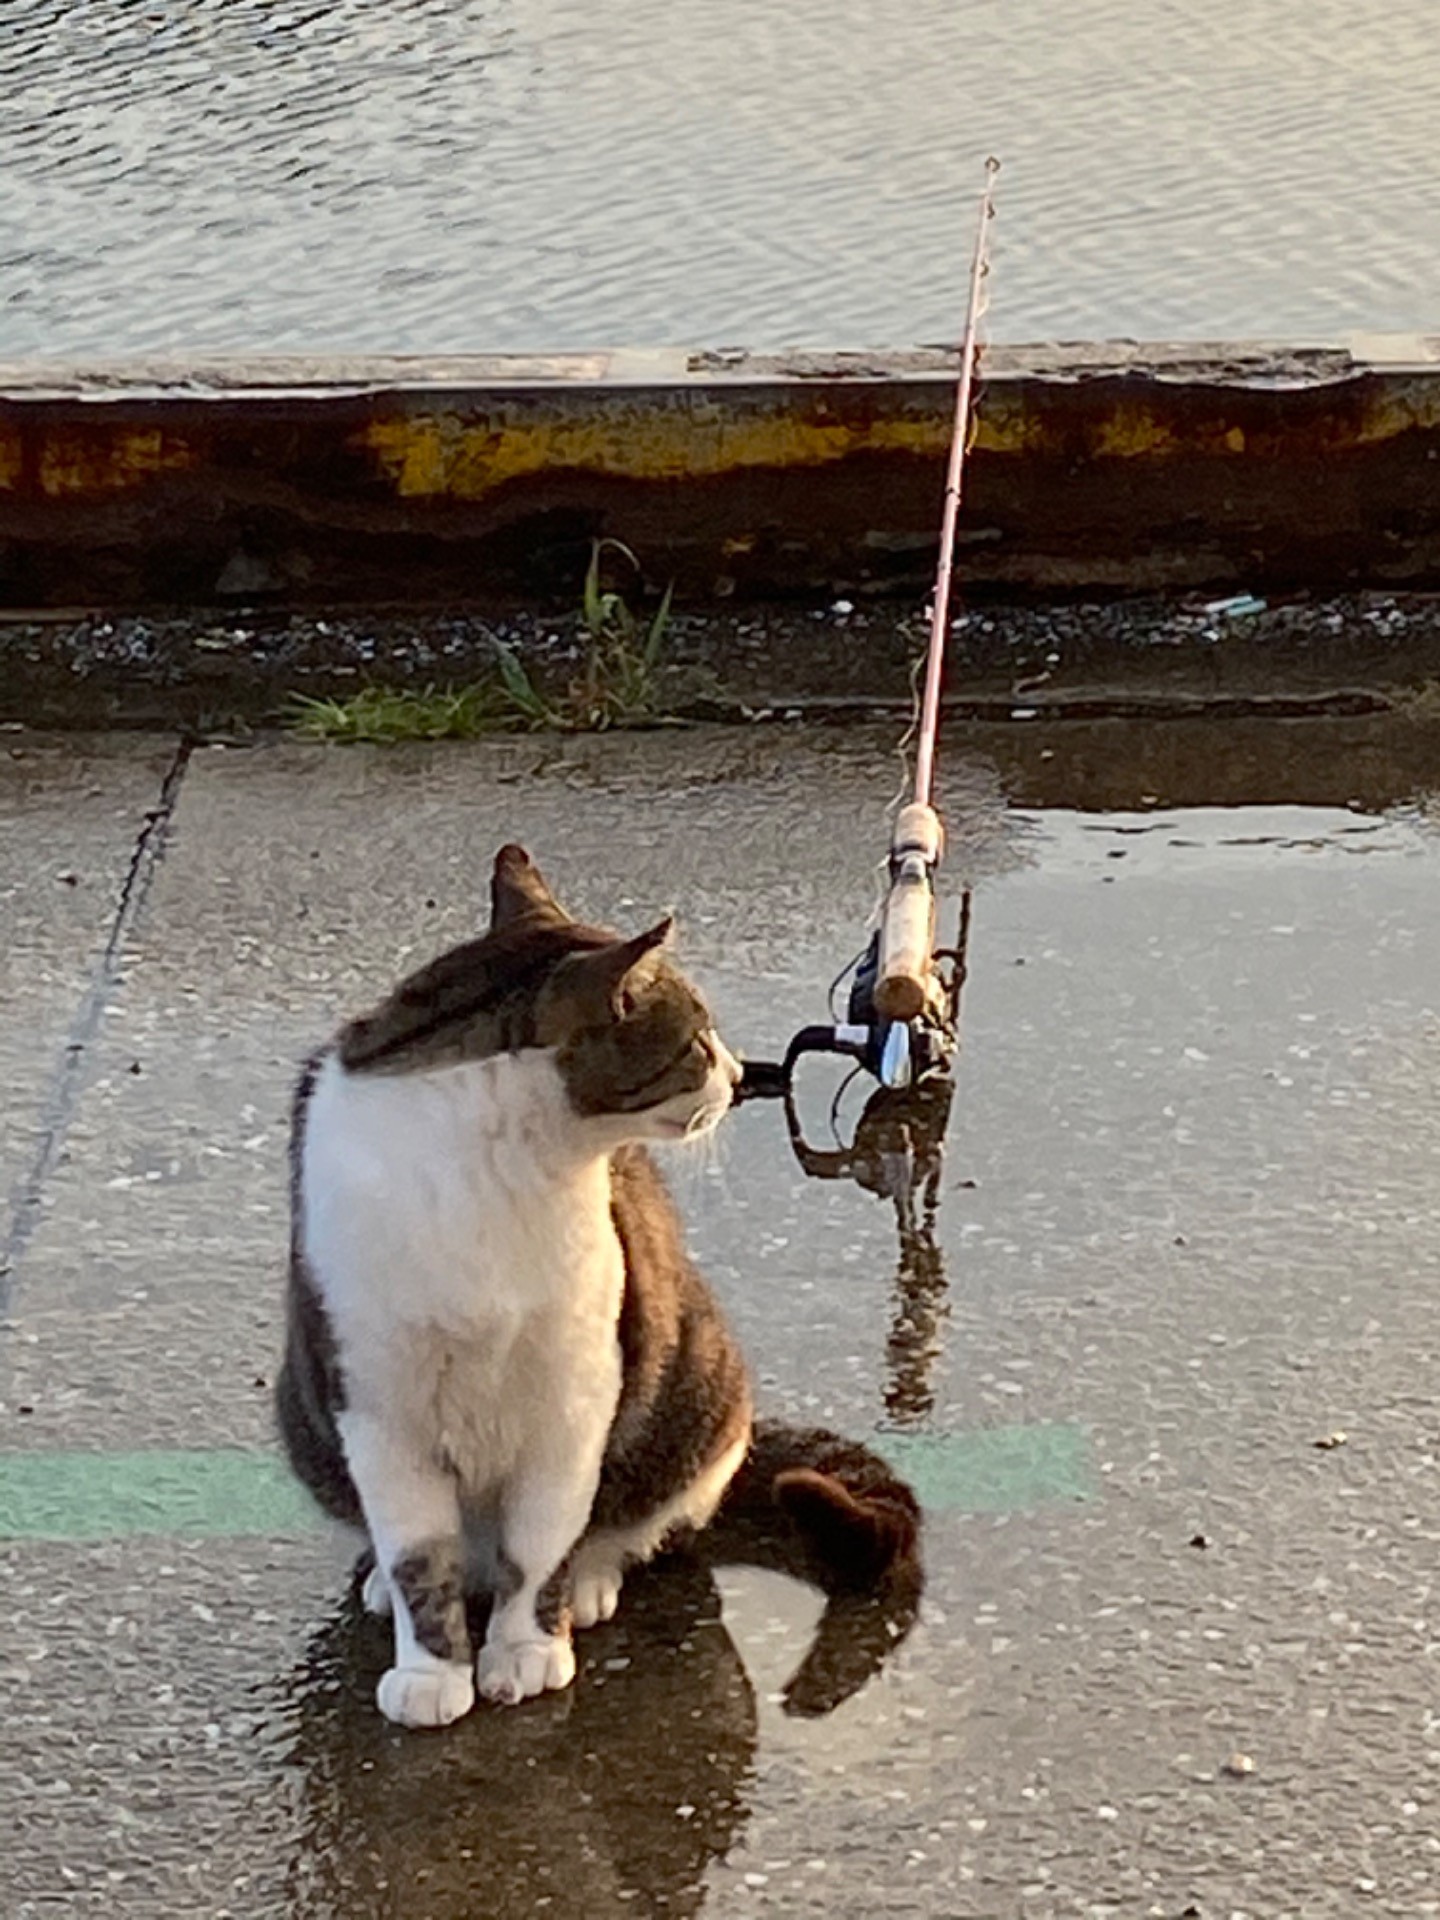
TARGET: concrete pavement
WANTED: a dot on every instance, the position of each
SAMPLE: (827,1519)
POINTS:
(1190,1226)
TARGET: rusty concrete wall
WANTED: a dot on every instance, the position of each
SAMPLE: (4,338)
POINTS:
(483,479)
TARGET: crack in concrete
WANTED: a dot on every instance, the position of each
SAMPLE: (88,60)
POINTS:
(67,1083)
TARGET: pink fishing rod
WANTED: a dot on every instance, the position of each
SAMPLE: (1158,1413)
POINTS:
(902,1022)
(904,981)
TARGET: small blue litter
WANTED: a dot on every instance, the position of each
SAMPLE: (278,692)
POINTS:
(1236,606)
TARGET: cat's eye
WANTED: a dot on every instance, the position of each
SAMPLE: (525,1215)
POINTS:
(627,1003)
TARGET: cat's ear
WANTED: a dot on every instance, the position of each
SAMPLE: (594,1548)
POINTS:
(518,891)
(607,970)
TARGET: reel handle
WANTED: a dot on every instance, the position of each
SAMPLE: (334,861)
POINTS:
(907,920)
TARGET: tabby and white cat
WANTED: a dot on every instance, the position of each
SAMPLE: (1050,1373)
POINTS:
(500,1360)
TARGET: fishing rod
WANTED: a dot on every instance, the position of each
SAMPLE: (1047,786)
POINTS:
(902,1023)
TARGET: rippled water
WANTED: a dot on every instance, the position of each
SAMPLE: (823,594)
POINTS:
(472,174)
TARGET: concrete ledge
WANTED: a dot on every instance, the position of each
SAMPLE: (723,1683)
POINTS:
(1110,467)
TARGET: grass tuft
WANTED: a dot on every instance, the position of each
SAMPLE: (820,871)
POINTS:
(387,715)
(621,681)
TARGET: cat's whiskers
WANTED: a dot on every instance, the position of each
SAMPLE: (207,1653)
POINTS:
(702,1152)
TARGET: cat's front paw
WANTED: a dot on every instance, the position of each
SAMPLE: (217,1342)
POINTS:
(596,1595)
(426,1696)
(510,1674)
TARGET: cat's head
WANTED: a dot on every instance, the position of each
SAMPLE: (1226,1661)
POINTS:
(634,1042)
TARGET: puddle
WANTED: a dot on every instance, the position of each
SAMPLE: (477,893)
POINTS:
(1368,765)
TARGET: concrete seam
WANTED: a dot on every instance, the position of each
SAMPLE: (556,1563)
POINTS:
(67,1083)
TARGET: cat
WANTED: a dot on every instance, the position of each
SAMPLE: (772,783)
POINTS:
(500,1360)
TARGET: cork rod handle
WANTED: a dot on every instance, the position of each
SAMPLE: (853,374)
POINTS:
(907,921)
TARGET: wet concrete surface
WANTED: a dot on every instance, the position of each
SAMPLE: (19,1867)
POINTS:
(1188,1227)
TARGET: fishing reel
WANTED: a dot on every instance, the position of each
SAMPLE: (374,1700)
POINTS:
(910,1059)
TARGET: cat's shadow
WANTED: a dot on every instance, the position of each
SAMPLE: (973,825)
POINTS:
(611,1798)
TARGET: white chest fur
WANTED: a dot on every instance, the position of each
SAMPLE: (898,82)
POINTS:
(458,1227)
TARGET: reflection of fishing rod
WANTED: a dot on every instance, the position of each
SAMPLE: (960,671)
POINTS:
(901,1020)
(897,1153)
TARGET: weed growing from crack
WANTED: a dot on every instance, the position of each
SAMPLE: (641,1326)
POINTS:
(620,683)
(387,715)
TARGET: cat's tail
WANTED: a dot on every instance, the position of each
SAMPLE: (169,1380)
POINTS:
(831,1509)
(831,1512)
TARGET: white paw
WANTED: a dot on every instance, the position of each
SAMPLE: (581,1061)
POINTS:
(426,1696)
(375,1595)
(596,1595)
(509,1674)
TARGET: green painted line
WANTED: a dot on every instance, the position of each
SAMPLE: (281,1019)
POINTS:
(231,1491)
(994,1469)
(106,1496)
